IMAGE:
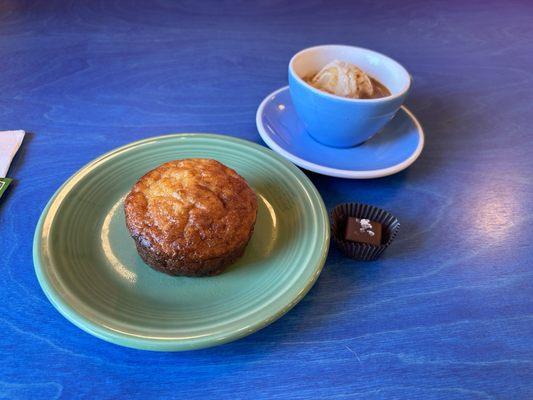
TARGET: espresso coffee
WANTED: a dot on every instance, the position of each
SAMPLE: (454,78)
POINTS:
(380,90)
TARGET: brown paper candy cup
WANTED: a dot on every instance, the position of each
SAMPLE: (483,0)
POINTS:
(363,251)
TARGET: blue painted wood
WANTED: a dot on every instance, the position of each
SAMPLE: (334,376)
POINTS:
(447,313)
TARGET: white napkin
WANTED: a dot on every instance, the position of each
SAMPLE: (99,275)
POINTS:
(9,144)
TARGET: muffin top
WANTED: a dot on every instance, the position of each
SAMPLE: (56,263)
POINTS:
(192,209)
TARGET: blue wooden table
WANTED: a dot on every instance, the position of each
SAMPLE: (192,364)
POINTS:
(446,313)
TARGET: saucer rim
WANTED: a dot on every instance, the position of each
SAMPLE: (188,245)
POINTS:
(336,172)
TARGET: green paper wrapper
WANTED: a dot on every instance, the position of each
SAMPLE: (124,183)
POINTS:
(4,183)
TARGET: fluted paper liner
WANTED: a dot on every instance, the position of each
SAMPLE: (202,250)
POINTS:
(363,251)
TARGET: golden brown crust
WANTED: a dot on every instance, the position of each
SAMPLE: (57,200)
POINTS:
(191,217)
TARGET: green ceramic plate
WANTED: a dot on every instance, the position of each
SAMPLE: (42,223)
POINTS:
(88,267)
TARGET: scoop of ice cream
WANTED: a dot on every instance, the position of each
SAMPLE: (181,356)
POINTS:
(343,79)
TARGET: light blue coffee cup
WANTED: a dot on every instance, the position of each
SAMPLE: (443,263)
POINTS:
(339,121)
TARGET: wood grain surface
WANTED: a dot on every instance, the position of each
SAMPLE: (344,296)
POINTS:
(447,313)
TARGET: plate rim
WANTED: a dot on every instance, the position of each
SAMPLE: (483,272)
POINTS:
(171,344)
(337,172)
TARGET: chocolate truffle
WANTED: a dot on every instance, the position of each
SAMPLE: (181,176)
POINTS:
(362,230)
